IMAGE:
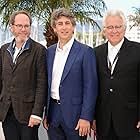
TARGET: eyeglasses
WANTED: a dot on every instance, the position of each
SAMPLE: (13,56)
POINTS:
(117,27)
(19,26)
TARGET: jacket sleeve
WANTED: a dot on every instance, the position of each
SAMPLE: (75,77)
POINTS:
(90,86)
(41,83)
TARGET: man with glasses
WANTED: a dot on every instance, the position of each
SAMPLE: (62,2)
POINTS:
(118,67)
(22,81)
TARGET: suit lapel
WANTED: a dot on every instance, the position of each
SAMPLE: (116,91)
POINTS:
(9,53)
(10,59)
(25,53)
(104,58)
(70,60)
(50,60)
(122,56)
(20,59)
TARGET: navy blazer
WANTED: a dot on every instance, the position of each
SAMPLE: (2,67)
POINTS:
(78,86)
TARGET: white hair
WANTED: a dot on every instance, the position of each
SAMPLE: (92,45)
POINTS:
(118,13)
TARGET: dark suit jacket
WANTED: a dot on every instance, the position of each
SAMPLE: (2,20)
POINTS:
(78,86)
(24,83)
(119,93)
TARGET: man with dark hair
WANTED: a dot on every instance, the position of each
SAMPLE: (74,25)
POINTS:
(72,82)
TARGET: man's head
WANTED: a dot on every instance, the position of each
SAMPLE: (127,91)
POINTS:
(114,24)
(20,25)
(63,23)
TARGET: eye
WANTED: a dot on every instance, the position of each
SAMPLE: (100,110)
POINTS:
(118,27)
(20,26)
(67,23)
(59,23)
(26,26)
(109,27)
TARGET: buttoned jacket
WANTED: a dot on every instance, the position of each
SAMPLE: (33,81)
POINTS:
(119,92)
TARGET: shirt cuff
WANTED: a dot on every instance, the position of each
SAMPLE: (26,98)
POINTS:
(36,117)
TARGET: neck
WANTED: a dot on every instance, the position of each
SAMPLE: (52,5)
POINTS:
(19,42)
(61,45)
(63,42)
(19,45)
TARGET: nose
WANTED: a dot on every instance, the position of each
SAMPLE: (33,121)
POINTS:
(64,26)
(23,28)
(114,30)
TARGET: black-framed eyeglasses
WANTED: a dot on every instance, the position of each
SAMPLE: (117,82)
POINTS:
(20,26)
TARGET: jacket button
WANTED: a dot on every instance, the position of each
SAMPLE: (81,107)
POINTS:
(111,90)
(111,77)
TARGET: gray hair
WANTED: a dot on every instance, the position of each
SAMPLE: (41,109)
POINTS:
(62,12)
(118,13)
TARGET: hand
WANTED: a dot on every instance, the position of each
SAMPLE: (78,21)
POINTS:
(93,129)
(84,127)
(45,123)
(138,125)
(33,121)
(93,125)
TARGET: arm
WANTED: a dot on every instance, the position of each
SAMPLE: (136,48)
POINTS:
(89,92)
(90,86)
(41,88)
(0,71)
(138,124)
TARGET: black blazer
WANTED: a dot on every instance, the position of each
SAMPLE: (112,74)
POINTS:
(23,84)
(119,93)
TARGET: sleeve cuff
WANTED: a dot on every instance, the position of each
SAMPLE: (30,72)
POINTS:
(36,117)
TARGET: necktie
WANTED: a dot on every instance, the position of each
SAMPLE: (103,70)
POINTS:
(110,65)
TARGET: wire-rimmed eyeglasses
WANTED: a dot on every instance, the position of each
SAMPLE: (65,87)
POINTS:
(20,26)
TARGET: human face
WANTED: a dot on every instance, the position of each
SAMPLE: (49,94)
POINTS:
(21,28)
(114,29)
(64,29)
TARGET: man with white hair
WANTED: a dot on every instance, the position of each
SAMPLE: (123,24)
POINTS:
(118,67)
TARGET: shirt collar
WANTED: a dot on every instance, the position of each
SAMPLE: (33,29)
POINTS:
(25,46)
(116,47)
(67,46)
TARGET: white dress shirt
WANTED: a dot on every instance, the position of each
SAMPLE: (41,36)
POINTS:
(16,54)
(112,52)
(60,59)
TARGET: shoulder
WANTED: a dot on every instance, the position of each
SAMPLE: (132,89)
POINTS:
(37,45)
(133,45)
(83,47)
(5,46)
(52,47)
(100,48)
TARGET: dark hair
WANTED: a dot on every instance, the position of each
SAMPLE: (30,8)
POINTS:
(62,12)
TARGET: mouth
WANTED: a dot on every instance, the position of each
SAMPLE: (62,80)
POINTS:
(65,32)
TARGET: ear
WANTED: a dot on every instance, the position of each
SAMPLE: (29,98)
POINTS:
(11,28)
(103,32)
(54,29)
